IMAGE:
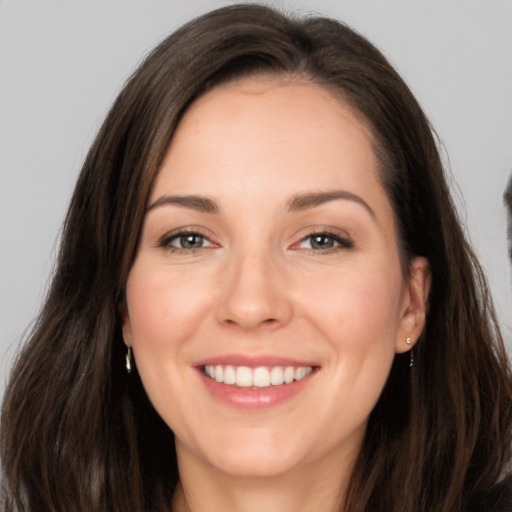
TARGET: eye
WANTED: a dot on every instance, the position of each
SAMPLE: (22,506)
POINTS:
(186,241)
(324,242)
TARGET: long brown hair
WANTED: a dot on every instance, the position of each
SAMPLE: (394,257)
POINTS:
(78,433)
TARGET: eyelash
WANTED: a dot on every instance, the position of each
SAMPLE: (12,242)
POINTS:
(338,242)
(167,240)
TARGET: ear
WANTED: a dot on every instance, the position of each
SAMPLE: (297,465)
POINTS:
(127,327)
(414,304)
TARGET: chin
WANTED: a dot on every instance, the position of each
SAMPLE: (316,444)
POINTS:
(255,454)
(258,464)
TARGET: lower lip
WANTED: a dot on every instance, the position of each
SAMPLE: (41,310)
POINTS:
(254,398)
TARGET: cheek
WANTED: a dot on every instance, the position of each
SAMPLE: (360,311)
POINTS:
(364,302)
(163,308)
(163,313)
(358,313)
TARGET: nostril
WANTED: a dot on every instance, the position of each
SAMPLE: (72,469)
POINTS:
(251,324)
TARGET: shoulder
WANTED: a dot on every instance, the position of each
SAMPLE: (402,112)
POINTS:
(498,499)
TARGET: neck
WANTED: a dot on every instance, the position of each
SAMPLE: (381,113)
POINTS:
(313,488)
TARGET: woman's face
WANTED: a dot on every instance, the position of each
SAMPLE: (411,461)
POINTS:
(266,301)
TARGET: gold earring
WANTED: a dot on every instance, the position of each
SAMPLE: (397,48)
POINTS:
(129,360)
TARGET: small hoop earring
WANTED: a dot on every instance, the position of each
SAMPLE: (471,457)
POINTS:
(129,360)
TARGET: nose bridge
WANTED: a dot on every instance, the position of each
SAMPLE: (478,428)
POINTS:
(253,291)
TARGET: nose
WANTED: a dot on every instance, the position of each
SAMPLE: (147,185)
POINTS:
(254,293)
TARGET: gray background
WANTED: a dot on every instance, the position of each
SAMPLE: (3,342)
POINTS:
(62,63)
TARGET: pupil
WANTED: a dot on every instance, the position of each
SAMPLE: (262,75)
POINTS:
(191,241)
(321,242)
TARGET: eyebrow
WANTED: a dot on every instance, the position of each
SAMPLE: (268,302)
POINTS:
(199,203)
(297,203)
(306,201)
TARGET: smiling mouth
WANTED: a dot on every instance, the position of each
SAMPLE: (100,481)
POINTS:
(259,377)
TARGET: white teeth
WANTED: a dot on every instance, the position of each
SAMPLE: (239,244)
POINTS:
(301,372)
(289,374)
(219,373)
(229,375)
(276,376)
(260,377)
(243,376)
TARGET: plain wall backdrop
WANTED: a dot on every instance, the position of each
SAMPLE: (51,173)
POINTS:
(62,63)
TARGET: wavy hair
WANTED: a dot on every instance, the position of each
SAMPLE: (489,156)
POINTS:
(79,434)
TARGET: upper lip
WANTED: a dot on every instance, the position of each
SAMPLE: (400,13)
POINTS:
(253,361)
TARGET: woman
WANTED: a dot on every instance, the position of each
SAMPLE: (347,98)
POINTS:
(263,299)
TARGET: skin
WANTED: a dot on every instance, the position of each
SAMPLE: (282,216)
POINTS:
(258,284)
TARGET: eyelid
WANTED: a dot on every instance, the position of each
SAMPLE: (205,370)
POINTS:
(339,235)
(164,241)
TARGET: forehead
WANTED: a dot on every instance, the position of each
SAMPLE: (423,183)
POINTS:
(289,99)
(269,124)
